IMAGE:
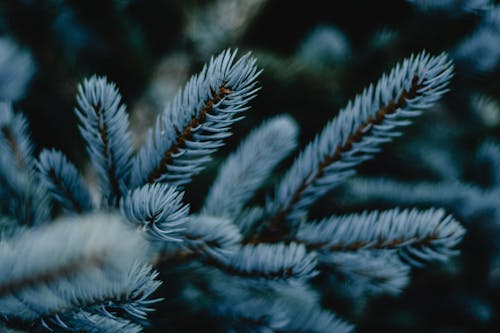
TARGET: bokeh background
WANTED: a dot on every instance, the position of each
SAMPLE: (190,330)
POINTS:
(316,55)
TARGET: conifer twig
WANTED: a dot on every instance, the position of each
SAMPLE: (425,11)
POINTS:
(356,134)
(194,125)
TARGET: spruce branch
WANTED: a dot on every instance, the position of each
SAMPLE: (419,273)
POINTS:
(280,308)
(356,134)
(210,237)
(158,208)
(249,220)
(194,125)
(279,262)
(424,235)
(264,315)
(312,318)
(216,241)
(245,169)
(15,140)
(92,274)
(83,321)
(63,181)
(368,273)
(104,126)
(74,264)
(22,197)
(131,299)
(465,200)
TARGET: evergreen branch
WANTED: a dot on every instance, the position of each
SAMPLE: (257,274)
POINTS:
(158,209)
(69,265)
(249,219)
(83,321)
(466,201)
(270,261)
(89,275)
(215,237)
(104,126)
(356,134)
(130,300)
(245,170)
(426,234)
(22,197)
(194,125)
(281,308)
(136,300)
(63,181)
(253,315)
(312,318)
(15,139)
(266,316)
(369,273)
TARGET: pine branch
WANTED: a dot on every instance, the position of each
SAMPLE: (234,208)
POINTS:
(134,299)
(215,242)
(83,321)
(249,219)
(131,299)
(194,125)
(104,126)
(368,273)
(70,265)
(64,182)
(89,274)
(312,318)
(270,262)
(246,169)
(466,201)
(282,308)
(210,237)
(22,197)
(158,208)
(356,134)
(15,138)
(259,315)
(424,235)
